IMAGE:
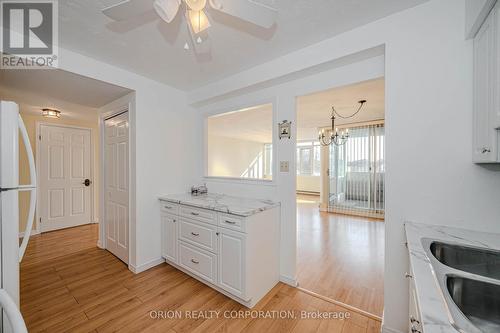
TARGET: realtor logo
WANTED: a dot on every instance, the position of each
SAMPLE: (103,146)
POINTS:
(29,35)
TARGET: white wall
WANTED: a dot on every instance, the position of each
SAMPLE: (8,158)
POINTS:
(308,183)
(165,135)
(283,186)
(430,176)
(230,157)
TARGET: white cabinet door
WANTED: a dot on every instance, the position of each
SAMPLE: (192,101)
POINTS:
(486,91)
(232,262)
(169,237)
(414,319)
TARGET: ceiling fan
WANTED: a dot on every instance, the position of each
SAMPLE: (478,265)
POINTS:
(246,10)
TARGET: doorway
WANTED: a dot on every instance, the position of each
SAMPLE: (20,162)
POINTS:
(65,172)
(340,226)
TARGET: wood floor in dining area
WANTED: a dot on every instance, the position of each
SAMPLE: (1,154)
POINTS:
(340,256)
(69,285)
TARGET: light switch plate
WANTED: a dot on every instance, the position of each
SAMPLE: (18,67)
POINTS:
(284,166)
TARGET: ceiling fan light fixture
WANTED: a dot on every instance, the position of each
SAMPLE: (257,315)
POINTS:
(196,5)
(166,9)
(198,20)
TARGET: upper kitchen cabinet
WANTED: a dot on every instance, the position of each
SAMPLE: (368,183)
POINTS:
(486,130)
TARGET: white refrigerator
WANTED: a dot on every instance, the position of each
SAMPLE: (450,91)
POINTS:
(11,253)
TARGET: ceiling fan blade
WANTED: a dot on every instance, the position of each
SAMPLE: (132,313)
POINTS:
(247,10)
(127,9)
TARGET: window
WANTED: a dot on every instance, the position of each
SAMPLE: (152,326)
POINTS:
(239,143)
(308,158)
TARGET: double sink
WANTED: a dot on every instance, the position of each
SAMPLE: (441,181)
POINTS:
(469,278)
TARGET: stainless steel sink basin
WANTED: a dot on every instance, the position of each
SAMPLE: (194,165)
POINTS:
(477,261)
(479,301)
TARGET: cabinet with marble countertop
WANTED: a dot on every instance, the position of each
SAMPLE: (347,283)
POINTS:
(228,243)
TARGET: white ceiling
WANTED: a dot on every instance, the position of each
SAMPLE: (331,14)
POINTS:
(153,48)
(77,97)
(313,112)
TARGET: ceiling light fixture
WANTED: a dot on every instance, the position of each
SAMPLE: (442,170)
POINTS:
(198,20)
(336,138)
(51,113)
(196,5)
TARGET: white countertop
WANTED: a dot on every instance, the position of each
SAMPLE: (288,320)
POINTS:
(433,308)
(222,203)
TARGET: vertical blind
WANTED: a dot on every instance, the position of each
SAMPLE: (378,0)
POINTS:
(357,172)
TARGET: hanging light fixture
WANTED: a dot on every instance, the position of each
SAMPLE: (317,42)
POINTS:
(198,20)
(51,113)
(335,137)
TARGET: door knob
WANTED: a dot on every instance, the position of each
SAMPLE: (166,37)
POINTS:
(87,182)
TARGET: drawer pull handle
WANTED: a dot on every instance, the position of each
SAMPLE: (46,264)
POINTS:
(195,234)
(230,222)
(195,261)
(195,214)
(167,207)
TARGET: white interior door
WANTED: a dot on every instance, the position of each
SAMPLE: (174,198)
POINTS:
(116,199)
(65,165)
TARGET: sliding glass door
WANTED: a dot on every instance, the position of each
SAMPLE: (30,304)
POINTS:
(357,172)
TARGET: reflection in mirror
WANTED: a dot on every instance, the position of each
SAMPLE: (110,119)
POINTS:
(240,143)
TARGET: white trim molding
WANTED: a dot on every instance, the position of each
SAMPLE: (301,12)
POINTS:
(144,267)
(385,329)
(288,280)
(33,233)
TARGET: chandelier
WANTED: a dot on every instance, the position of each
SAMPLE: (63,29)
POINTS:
(335,137)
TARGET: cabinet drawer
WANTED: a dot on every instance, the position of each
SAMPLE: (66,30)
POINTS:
(169,207)
(202,215)
(232,222)
(200,234)
(199,262)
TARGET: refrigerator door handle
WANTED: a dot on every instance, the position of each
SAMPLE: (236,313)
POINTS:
(31,188)
(13,314)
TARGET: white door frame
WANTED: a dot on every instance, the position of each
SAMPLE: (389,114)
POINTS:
(102,210)
(38,132)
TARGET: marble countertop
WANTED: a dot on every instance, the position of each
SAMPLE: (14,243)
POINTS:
(222,203)
(435,314)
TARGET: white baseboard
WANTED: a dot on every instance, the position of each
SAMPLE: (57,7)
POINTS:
(144,267)
(288,280)
(386,329)
(33,233)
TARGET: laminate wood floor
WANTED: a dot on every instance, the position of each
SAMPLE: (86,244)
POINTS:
(340,257)
(69,285)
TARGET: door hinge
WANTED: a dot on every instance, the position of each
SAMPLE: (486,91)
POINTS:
(40,137)
(40,220)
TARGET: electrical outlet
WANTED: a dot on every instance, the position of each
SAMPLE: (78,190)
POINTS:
(284,166)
